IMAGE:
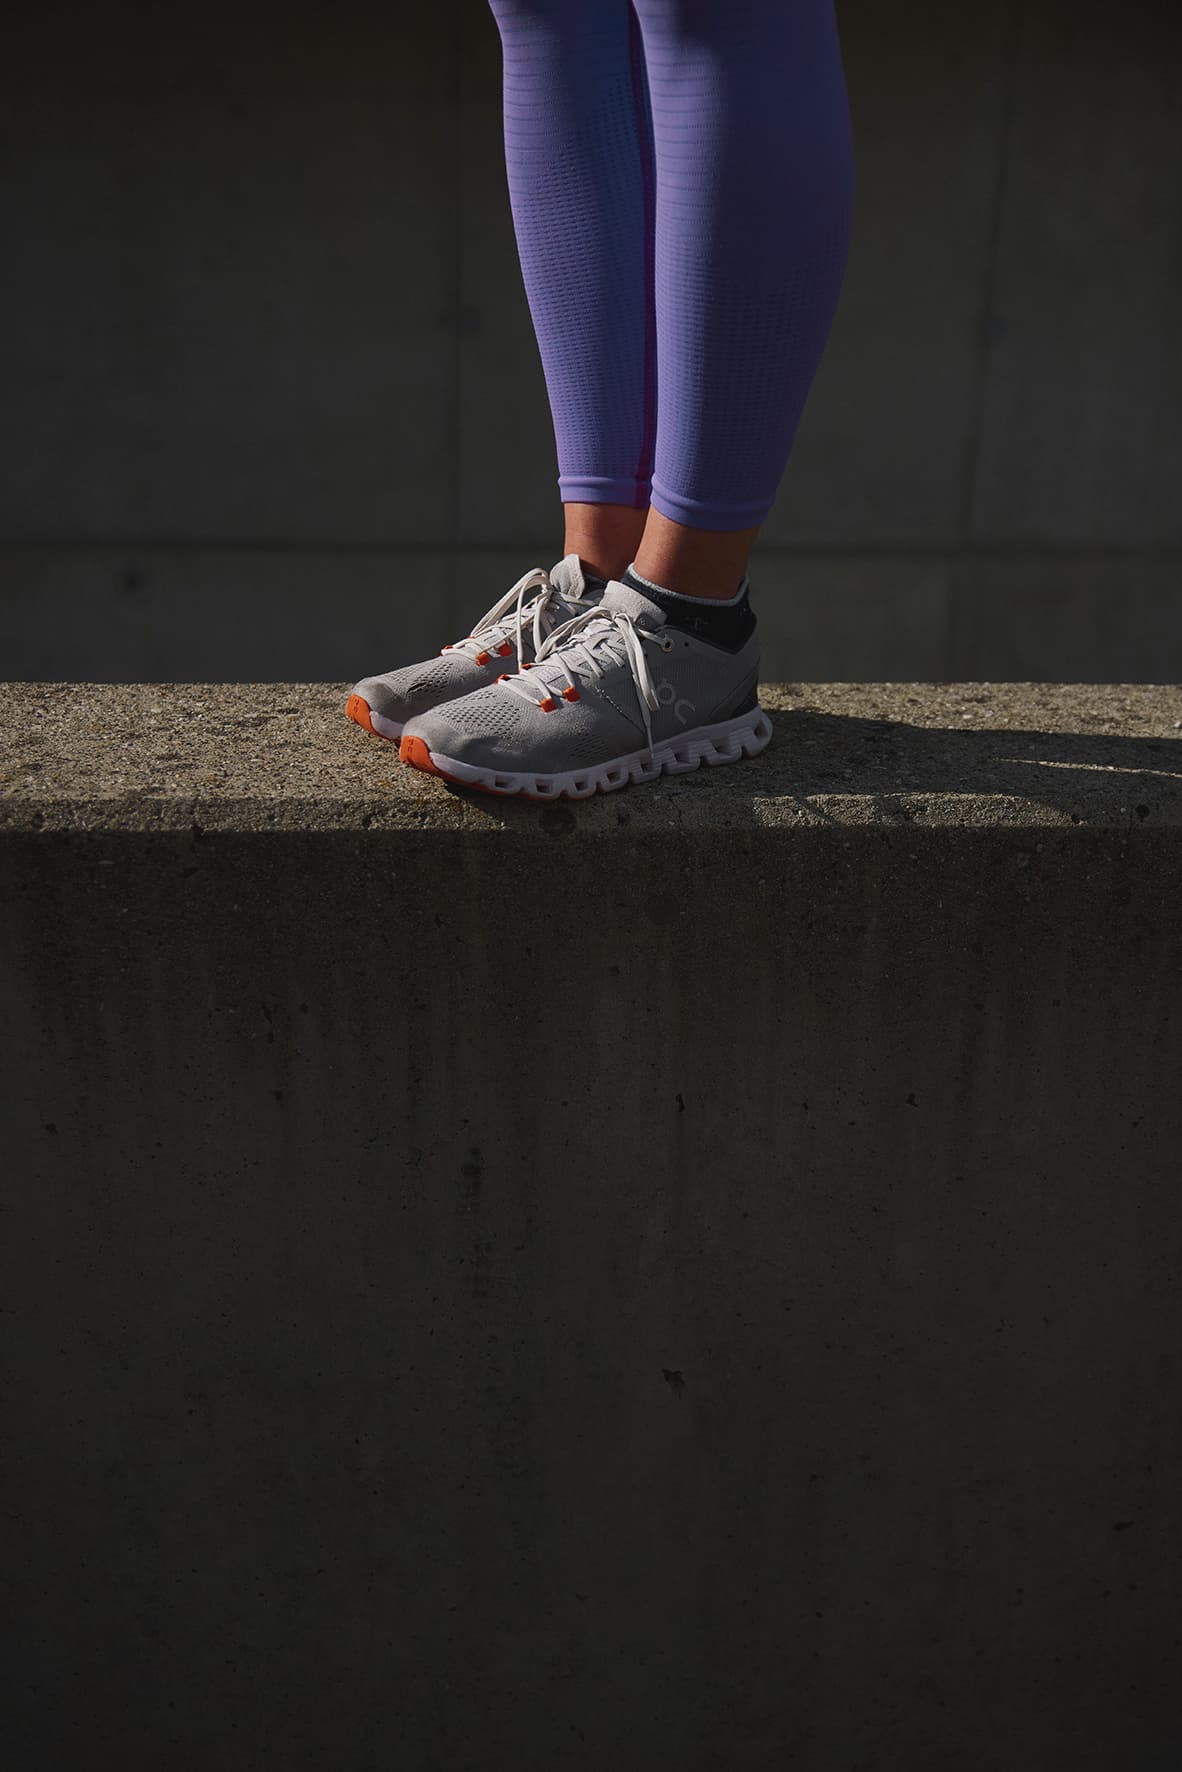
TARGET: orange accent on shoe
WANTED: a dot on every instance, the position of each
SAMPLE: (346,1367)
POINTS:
(548,704)
(527,666)
(482,658)
(570,694)
(504,650)
(416,752)
(504,677)
(357,708)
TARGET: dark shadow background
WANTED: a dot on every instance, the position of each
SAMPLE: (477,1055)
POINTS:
(272,405)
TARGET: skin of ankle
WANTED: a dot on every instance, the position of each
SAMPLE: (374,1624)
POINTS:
(605,537)
(696,562)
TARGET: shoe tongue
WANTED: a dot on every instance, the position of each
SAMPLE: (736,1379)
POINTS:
(570,580)
(575,591)
(644,612)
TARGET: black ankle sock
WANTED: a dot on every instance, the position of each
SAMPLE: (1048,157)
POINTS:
(720,621)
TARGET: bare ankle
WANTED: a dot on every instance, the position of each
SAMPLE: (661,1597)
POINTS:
(605,537)
(695,562)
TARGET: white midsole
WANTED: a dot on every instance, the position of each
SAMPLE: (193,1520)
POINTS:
(387,728)
(727,742)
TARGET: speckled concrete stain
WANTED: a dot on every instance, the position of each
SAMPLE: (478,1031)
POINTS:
(283,757)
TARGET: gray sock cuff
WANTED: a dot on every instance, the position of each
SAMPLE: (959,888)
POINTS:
(680,596)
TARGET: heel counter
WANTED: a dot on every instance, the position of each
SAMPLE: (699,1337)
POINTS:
(741,700)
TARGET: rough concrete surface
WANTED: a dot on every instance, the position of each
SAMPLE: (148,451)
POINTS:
(283,757)
(688,1283)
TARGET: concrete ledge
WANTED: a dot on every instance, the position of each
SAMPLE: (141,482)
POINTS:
(687,1283)
(282,757)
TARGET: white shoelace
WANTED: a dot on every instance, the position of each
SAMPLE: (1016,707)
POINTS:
(492,630)
(603,637)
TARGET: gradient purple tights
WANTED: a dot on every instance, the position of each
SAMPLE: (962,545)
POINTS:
(681,181)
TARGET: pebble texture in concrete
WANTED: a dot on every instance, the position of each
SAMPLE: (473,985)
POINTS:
(268,756)
(685,1283)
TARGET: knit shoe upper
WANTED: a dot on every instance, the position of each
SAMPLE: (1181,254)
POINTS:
(616,694)
(384,704)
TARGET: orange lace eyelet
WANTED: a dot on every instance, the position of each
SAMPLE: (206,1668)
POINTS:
(504,649)
(482,658)
(548,705)
(570,694)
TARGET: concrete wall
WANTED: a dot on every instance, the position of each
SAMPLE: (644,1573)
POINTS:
(270,382)
(742,1335)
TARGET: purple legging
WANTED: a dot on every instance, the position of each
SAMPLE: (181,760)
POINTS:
(681,181)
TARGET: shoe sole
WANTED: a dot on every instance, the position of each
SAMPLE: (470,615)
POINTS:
(359,710)
(728,742)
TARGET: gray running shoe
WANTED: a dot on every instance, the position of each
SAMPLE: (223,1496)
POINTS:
(509,633)
(616,695)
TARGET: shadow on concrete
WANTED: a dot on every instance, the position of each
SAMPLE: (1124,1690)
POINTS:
(889,767)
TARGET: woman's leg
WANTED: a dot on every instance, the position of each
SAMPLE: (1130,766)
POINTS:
(579,159)
(754,199)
